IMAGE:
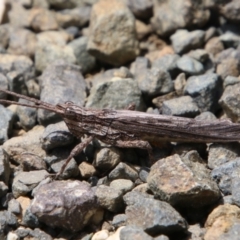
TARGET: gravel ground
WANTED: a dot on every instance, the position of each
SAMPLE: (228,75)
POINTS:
(177,58)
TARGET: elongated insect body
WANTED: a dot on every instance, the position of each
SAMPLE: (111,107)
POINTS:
(127,128)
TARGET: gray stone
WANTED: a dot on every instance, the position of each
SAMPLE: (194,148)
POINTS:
(168,63)
(230,80)
(124,171)
(224,175)
(28,143)
(205,116)
(119,44)
(231,12)
(189,65)
(230,101)
(123,185)
(3,189)
(205,91)
(30,219)
(5,123)
(8,221)
(180,83)
(73,17)
(228,67)
(184,182)
(155,81)
(22,42)
(54,88)
(107,158)
(65,204)
(86,61)
(118,93)
(230,39)
(39,234)
(235,191)
(4,35)
(161,237)
(47,53)
(110,198)
(27,116)
(184,41)
(56,135)
(169,16)
(57,158)
(14,207)
(141,9)
(134,232)
(220,153)
(25,182)
(160,218)
(4,166)
(143,174)
(119,220)
(182,106)
(200,55)
(3,85)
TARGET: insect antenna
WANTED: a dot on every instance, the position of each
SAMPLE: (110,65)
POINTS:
(37,103)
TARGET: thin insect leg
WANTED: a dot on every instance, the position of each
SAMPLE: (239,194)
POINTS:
(76,150)
(137,144)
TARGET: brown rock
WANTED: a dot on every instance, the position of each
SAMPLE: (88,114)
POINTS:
(229,67)
(86,170)
(220,221)
(112,36)
(214,46)
(183,182)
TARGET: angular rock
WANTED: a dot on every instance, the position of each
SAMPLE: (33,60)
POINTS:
(110,198)
(228,67)
(231,11)
(235,191)
(25,182)
(154,82)
(65,204)
(54,88)
(56,135)
(28,143)
(22,42)
(118,93)
(221,220)
(17,64)
(230,101)
(225,173)
(46,54)
(230,80)
(182,106)
(184,41)
(169,16)
(160,218)
(118,39)
(123,185)
(142,9)
(73,17)
(3,189)
(220,153)
(168,63)
(86,170)
(125,171)
(205,91)
(86,61)
(214,46)
(119,220)
(107,158)
(4,35)
(8,222)
(200,55)
(183,182)
(190,66)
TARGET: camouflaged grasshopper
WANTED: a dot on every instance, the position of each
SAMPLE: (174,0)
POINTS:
(132,129)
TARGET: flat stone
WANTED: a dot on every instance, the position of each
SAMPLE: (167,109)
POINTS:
(182,106)
(110,198)
(183,40)
(65,204)
(160,218)
(183,181)
(190,66)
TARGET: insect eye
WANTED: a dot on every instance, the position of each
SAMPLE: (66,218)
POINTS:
(69,111)
(69,103)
